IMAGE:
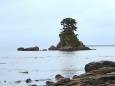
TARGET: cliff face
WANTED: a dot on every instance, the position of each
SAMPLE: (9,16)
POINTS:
(69,41)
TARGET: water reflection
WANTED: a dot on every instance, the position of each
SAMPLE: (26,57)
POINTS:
(68,63)
(67,53)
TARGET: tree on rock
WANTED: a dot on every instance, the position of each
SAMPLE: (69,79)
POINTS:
(68,39)
(69,23)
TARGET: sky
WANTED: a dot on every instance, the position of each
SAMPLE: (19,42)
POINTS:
(28,23)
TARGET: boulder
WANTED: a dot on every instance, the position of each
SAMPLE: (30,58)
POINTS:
(52,48)
(96,65)
(62,82)
(58,77)
(49,83)
(28,80)
(97,74)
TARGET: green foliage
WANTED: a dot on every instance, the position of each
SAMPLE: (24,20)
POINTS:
(67,36)
(69,23)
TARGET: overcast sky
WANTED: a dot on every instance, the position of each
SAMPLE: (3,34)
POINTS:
(25,23)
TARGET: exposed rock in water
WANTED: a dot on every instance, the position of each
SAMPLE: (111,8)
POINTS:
(49,83)
(18,81)
(68,39)
(97,74)
(36,80)
(28,49)
(28,80)
(34,85)
(52,48)
(24,72)
(96,65)
(2,63)
(44,50)
(58,77)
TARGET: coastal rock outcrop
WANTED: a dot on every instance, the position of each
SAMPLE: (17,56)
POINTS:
(68,39)
(28,80)
(97,65)
(44,49)
(52,48)
(28,49)
(58,77)
(97,74)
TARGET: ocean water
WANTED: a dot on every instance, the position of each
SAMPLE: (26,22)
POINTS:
(44,65)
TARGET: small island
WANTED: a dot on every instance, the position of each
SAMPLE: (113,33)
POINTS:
(68,39)
(28,49)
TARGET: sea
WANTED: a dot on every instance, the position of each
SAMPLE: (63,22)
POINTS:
(42,66)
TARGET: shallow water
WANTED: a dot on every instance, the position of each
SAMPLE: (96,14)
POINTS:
(44,65)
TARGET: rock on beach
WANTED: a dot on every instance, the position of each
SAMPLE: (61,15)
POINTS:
(100,73)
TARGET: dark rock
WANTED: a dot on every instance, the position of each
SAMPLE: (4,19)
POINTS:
(28,80)
(70,48)
(44,50)
(52,48)
(58,77)
(21,49)
(28,49)
(32,49)
(62,82)
(24,72)
(36,80)
(49,83)
(75,76)
(96,65)
(106,80)
(34,85)
(18,81)
(2,63)
(97,74)
(103,70)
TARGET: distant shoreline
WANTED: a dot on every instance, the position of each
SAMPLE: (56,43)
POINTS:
(98,45)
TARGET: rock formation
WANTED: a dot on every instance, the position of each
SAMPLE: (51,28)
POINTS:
(28,49)
(97,74)
(52,48)
(68,39)
(44,50)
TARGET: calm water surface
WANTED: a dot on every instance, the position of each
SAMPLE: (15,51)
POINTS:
(44,65)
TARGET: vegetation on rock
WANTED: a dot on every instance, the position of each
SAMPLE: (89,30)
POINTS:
(68,39)
(69,23)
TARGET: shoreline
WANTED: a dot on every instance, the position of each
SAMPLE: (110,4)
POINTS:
(100,73)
